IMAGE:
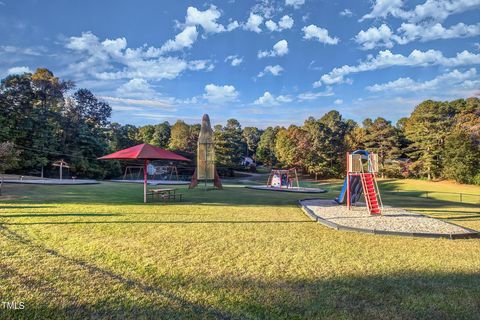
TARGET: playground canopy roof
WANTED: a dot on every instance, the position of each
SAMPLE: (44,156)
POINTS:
(144,151)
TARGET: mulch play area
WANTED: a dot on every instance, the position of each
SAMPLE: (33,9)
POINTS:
(392,221)
(154,182)
(291,189)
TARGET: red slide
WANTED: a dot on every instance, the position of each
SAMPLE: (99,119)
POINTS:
(370,193)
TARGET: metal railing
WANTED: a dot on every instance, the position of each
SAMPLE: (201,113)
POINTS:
(372,165)
(462,197)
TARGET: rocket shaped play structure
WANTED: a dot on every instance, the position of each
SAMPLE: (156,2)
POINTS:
(205,170)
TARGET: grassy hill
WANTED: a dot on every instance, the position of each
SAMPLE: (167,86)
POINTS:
(98,251)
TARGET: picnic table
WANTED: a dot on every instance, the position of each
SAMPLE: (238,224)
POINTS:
(165,194)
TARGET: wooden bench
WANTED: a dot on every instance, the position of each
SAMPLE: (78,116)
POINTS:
(165,194)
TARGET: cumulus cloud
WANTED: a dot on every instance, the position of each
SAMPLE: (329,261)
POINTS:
(437,10)
(112,59)
(275,70)
(386,59)
(286,22)
(346,13)
(234,60)
(338,101)
(184,39)
(253,23)
(220,94)
(208,20)
(135,87)
(383,8)
(279,49)
(295,3)
(319,34)
(411,32)
(19,70)
(271,25)
(375,37)
(270,99)
(383,36)
(466,80)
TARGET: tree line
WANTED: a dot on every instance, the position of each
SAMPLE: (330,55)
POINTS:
(44,119)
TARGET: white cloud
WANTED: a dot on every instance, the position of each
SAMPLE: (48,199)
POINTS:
(338,101)
(477,45)
(135,87)
(234,60)
(157,103)
(383,8)
(19,70)
(308,96)
(275,70)
(272,26)
(286,22)
(233,25)
(386,59)
(411,32)
(112,59)
(220,94)
(29,51)
(320,34)
(408,32)
(467,80)
(346,13)
(197,65)
(279,49)
(295,3)
(208,20)
(184,39)
(269,99)
(439,10)
(375,37)
(436,10)
(253,23)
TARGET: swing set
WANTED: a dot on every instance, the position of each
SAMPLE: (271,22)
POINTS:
(283,178)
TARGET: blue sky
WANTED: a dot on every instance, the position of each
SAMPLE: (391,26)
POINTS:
(262,62)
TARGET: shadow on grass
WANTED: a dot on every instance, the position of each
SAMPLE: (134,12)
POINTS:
(407,295)
(42,215)
(159,222)
(25,207)
(95,271)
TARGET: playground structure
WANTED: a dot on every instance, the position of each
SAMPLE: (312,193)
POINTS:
(361,169)
(61,164)
(166,173)
(283,178)
(205,170)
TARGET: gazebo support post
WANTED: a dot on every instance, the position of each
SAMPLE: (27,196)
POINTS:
(145,181)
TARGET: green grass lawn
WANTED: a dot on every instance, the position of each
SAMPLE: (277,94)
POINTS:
(98,252)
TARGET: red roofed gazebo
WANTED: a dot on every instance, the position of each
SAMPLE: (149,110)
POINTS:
(144,152)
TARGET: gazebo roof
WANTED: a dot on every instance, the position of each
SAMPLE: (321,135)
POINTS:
(144,151)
